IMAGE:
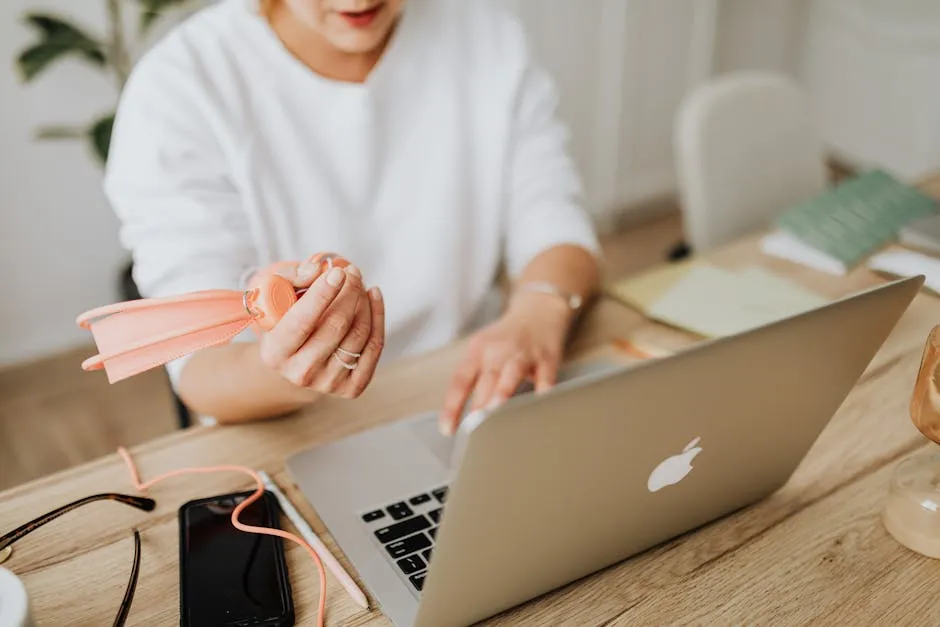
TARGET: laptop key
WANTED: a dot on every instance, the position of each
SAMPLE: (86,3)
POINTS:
(399,511)
(440,494)
(417,581)
(433,533)
(373,515)
(418,500)
(435,515)
(411,564)
(427,554)
(409,545)
(401,529)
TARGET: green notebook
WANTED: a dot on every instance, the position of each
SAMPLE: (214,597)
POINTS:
(856,218)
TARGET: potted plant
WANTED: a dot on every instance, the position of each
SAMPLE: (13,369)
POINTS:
(112,52)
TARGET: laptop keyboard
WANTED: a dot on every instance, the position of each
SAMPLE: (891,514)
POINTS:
(406,531)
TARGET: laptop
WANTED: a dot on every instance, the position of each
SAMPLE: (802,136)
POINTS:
(549,488)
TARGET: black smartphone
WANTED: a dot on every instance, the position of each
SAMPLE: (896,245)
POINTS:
(229,577)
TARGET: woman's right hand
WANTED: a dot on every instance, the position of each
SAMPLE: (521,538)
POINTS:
(330,341)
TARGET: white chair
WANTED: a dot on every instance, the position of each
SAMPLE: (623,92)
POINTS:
(746,149)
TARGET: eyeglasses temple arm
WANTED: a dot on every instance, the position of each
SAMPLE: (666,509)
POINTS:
(125,608)
(143,503)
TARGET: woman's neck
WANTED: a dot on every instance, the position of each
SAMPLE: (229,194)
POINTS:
(317,53)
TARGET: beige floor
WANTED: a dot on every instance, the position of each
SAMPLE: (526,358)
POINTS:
(53,415)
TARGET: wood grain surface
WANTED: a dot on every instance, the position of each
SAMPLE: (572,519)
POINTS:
(814,552)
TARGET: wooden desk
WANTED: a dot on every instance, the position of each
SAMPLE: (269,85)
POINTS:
(815,551)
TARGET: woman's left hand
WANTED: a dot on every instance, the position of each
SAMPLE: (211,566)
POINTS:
(526,343)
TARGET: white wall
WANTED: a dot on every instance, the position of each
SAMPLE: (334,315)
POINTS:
(760,35)
(871,68)
(622,67)
(59,253)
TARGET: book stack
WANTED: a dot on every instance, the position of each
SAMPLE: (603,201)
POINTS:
(841,228)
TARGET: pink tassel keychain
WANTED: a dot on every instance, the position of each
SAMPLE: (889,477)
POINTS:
(134,336)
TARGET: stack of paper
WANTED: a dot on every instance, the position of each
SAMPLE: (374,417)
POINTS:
(907,263)
(785,246)
(714,302)
(923,234)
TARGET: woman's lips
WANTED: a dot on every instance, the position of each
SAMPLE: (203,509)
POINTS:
(361,19)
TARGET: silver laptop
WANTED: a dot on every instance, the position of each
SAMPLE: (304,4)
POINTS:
(549,488)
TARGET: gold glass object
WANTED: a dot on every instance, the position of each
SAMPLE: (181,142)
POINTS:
(912,512)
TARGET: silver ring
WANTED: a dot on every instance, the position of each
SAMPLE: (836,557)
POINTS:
(251,312)
(348,353)
(344,364)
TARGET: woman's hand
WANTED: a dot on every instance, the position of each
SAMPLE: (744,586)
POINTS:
(331,339)
(526,343)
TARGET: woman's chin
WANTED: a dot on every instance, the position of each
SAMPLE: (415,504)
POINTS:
(355,44)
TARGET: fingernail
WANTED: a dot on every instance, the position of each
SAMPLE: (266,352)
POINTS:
(306,270)
(444,427)
(353,270)
(335,277)
(376,293)
(494,403)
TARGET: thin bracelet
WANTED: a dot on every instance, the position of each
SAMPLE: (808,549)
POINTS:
(574,301)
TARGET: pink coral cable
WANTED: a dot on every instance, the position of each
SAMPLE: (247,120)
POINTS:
(144,486)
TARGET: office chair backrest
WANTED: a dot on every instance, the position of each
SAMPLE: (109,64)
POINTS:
(746,149)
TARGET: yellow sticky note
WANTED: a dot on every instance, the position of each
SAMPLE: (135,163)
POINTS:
(643,290)
(713,302)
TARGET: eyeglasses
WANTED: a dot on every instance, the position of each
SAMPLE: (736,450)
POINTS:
(138,502)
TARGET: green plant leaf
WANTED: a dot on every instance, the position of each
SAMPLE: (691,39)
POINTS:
(151,10)
(58,38)
(100,136)
(61,132)
(35,59)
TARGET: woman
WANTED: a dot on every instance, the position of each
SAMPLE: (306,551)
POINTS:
(418,140)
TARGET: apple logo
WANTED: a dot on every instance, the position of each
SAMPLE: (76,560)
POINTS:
(673,469)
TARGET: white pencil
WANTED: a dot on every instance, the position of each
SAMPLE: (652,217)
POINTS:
(328,560)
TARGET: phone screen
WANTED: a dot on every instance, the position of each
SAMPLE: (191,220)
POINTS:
(228,576)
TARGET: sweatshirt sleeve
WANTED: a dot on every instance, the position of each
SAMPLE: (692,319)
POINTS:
(546,196)
(166,179)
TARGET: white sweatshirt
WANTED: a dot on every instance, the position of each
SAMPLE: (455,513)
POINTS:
(228,154)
